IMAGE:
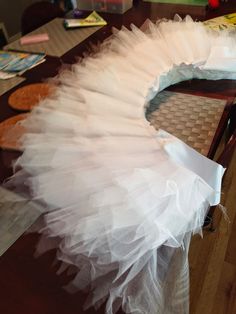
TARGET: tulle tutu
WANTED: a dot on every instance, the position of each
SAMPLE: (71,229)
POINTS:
(123,198)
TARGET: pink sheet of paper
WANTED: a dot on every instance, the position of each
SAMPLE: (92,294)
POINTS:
(34,39)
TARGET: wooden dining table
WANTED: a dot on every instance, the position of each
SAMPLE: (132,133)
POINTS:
(30,284)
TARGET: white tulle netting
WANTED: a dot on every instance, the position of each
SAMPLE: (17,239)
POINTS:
(123,198)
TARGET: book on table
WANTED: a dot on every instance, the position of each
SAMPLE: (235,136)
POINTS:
(14,63)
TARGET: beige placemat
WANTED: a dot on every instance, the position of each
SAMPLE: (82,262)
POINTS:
(60,40)
(16,216)
(193,119)
(6,85)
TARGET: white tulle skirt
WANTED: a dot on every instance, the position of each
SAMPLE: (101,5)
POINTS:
(123,198)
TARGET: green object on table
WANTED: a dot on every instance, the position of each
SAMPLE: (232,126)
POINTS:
(187,2)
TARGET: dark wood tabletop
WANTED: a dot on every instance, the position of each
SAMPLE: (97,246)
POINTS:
(28,284)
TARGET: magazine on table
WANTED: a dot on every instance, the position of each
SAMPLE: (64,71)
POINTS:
(94,19)
(14,63)
(223,22)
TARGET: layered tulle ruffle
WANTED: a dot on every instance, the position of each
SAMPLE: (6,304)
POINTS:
(123,198)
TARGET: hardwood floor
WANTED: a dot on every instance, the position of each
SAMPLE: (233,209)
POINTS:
(213,258)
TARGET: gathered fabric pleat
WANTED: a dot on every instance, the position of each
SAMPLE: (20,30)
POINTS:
(123,198)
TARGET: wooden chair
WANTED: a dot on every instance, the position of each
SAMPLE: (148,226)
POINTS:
(200,122)
(3,36)
(224,159)
(38,14)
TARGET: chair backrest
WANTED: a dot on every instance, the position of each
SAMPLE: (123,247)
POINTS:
(3,36)
(227,153)
(224,159)
(38,14)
